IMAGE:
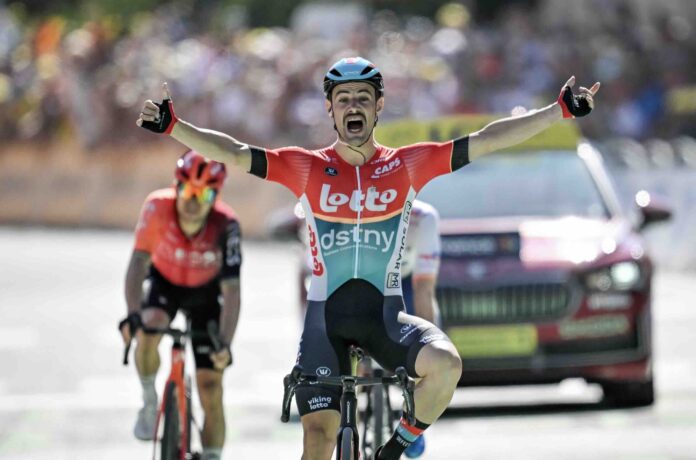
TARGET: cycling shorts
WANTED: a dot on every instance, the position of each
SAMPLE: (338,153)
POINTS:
(357,314)
(199,304)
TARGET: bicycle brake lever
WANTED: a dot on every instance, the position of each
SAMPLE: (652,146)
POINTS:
(287,400)
(126,352)
(407,387)
(296,374)
(410,402)
(290,383)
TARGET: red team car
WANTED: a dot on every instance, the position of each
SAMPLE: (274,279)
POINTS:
(544,276)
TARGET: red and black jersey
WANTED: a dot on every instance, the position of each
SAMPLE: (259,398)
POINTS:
(188,262)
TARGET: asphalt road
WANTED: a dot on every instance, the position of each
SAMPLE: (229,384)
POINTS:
(65,395)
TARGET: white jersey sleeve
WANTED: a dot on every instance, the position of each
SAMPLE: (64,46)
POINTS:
(422,252)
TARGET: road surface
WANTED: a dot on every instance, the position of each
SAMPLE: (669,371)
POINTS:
(65,395)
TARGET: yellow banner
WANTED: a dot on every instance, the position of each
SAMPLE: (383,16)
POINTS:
(494,341)
(562,135)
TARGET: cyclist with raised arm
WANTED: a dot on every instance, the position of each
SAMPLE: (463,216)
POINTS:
(357,197)
(187,247)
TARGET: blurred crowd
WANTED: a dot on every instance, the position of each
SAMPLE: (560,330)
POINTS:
(59,79)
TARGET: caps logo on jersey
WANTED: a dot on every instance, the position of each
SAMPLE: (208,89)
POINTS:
(373,200)
(331,171)
(389,167)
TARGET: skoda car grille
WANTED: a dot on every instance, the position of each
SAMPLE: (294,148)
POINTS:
(532,302)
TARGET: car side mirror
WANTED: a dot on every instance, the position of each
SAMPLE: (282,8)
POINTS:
(651,209)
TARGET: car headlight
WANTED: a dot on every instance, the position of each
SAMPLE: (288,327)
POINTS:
(621,276)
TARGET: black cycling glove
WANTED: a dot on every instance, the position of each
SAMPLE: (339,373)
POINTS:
(134,322)
(166,121)
(573,105)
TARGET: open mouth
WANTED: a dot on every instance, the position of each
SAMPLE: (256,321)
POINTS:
(355,124)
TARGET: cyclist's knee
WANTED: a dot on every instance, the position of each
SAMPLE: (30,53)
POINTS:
(439,358)
(155,318)
(320,428)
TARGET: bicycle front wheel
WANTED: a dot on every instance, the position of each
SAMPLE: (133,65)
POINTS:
(348,448)
(378,416)
(169,445)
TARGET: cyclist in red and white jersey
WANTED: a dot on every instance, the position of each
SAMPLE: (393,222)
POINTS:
(357,196)
(187,247)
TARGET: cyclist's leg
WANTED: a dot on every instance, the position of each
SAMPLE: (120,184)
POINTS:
(210,392)
(318,405)
(209,379)
(147,361)
(439,364)
(427,354)
(157,311)
(319,434)
(147,358)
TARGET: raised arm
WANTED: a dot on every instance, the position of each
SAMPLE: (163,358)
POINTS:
(513,130)
(160,118)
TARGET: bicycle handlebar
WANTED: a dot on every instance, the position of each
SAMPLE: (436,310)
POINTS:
(400,378)
(179,334)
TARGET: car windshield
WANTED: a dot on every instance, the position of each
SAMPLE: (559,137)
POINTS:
(540,183)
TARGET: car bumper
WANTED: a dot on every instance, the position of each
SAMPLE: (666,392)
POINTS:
(619,358)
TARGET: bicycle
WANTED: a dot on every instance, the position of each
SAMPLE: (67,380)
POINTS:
(348,438)
(175,408)
(378,417)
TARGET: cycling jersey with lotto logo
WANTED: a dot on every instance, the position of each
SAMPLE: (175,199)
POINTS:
(188,262)
(357,216)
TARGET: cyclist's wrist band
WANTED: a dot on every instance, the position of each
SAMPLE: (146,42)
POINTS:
(170,111)
(562,103)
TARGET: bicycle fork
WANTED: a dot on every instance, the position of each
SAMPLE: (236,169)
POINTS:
(349,415)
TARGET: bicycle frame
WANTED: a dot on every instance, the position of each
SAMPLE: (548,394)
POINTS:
(179,381)
(378,414)
(177,377)
(349,401)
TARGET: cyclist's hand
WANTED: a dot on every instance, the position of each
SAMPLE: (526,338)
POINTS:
(221,359)
(158,117)
(129,325)
(576,105)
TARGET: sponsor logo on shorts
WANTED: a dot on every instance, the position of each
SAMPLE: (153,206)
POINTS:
(331,171)
(204,349)
(323,371)
(319,402)
(408,332)
(426,339)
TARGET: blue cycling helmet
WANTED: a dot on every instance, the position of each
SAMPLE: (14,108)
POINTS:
(353,69)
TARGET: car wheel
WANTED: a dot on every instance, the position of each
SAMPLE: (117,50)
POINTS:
(629,394)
